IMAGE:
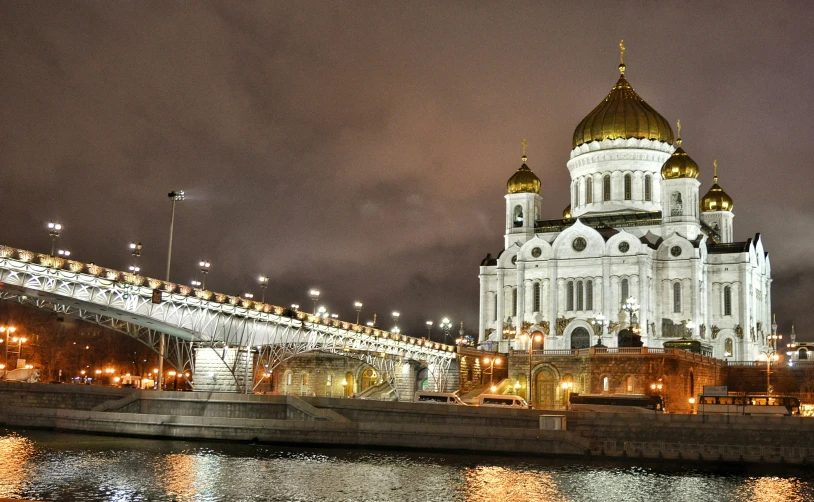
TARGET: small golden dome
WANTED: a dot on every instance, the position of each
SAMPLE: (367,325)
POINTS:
(566,214)
(623,114)
(524,181)
(679,165)
(716,199)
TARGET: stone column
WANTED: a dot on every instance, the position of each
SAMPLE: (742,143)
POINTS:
(529,293)
(501,303)
(606,285)
(644,301)
(521,297)
(553,295)
(482,313)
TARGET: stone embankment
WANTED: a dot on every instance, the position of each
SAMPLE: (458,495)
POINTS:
(363,423)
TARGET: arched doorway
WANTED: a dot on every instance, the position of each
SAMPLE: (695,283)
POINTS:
(422,379)
(802,354)
(580,338)
(545,388)
(368,379)
(349,387)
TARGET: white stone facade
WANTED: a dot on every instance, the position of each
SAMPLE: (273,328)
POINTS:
(633,234)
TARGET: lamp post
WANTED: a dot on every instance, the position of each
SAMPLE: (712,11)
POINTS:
(175,196)
(345,387)
(690,327)
(396,316)
(53,231)
(358,307)
(446,325)
(135,250)
(204,271)
(8,330)
(492,361)
(602,322)
(566,387)
(536,338)
(264,283)
(429,330)
(314,293)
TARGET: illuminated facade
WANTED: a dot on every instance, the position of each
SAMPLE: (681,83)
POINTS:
(636,229)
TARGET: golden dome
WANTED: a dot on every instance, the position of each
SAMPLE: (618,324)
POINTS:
(623,114)
(566,214)
(679,165)
(524,181)
(716,199)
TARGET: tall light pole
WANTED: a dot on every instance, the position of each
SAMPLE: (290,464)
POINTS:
(429,330)
(537,338)
(8,330)
(53,231)
(358,307)
(396,329)
(135,250)
(446,326)
(264,283)
(204,271)
(602,322)
(771,353)
(314,294)
(175,196)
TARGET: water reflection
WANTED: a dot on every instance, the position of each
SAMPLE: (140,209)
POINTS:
(54,466)
(15,454)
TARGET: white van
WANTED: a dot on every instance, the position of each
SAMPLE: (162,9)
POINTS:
(501,401)
(438,398)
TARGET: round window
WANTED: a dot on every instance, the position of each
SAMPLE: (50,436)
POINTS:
(579,244)
(675,250)
(514,259)
(624,247)
(536,252)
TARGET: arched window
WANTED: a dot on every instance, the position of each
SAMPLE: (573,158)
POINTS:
(304,379)
(676,204)
(648,188)
(569,294)
(630,384)
(628,187)
(518,216)
(494,318)
(329,381)
(677,297)
(606,188)
(289,378)
(514,301)
(576,193)
(728,347)
(580,295)
(589,295)
(605,384)
(589,190)
(536,296)
(625,290)
(727,300)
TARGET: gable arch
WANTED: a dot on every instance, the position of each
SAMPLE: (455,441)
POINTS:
(563,245)
(664,250)
(526,251)
(612,246)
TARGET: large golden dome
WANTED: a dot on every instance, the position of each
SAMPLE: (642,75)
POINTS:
(679,165)
(524,181)
(623,114)
(716,199)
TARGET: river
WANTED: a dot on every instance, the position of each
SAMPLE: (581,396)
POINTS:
(41,465)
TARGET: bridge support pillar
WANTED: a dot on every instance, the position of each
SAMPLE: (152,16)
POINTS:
(412,375)
(221,370)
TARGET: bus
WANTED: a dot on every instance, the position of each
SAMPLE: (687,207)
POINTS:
(749,405)
(617,403)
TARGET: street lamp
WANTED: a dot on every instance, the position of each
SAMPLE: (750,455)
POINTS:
(175,196)
(691,327)
(492,362)
(602,322)
(134,269)
(429,330)
(174,375)
(358,307)
(314,293)
(396,316)
(345,387)
(135,250)
(295,306)
(566,387)
(204,271)
(445,326)
(248,296)
(532,339)
(63,253)
(264,283)
(53,231)
(196,284)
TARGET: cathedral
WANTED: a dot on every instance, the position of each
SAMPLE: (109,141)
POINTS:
(638,258)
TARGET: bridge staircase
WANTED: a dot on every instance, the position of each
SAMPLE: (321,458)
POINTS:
(381,392)
(505,386)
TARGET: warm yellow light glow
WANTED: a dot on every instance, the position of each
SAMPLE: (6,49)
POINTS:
(98,372)
(538,338)
(692,400)
(486,360)
(172,373)
(82,372)
(497,360)
(494,388)
(116,379)
(517,385)
(344,382)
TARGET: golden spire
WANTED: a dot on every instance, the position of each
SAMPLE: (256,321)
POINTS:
(622,57)
(525,144)
(678,140)
(715,171)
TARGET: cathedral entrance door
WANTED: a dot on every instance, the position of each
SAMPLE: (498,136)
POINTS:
(580,339)
(545,389)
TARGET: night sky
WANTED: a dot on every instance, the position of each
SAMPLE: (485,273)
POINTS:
(362,148)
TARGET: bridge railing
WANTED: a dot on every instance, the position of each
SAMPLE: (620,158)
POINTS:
(624,351)
(56,264)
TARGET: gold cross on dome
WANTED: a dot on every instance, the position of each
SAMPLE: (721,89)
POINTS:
(715,166)
(621,52)
(679,128)
(524,146)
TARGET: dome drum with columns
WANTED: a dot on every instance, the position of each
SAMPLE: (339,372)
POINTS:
(636,228)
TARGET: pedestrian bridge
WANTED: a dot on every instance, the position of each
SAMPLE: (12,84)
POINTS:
(209,333)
